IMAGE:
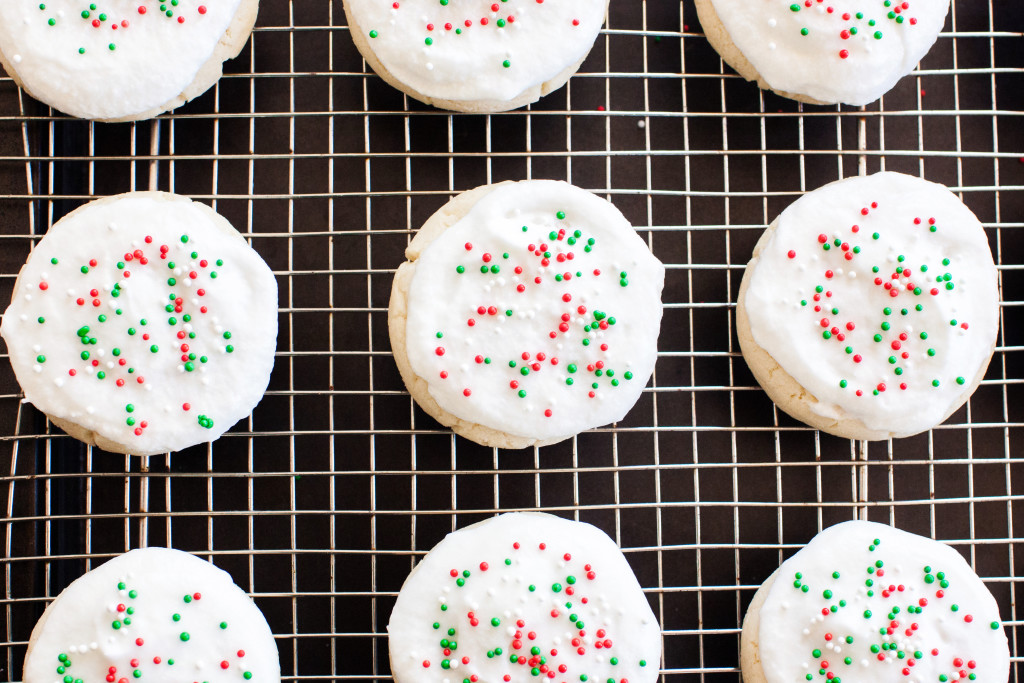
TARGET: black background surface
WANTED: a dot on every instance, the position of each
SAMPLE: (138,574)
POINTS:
(320,504)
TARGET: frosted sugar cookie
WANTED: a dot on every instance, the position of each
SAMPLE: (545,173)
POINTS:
(527,312)
(143,323)
(870,309)
(823,51)
(524,597)
(917,614)
(475,56)
(156,615)
(120,60)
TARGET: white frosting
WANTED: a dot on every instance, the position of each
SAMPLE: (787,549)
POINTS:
(529,580)
(577,332)
(458,50)
(883,575)
(146,366)
(219,635)
(788,323)
(71,65)
(882,40)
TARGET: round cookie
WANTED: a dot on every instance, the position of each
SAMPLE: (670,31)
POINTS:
(870,309)
(476,56)
(527,313)
(156,614)
(143,323)
(823,51)
(524,597)
(120,60)
(918,614)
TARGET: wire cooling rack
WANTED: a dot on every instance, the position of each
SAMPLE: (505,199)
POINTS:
(322,501)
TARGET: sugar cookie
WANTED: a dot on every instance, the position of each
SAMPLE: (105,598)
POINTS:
(527,312)
(475,56)
(156,615)
(120,60)
(524,597)
(870,309)
(823,52)
(143,323)
(918,614)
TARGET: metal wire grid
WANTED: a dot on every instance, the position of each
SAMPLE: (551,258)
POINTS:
(323,500)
